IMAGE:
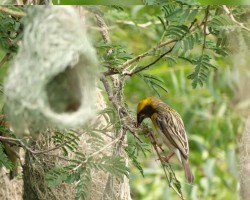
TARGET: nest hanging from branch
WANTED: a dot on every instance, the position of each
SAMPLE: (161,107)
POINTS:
(51,82)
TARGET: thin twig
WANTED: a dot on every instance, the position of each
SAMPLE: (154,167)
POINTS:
(154,143)
(21,143)
(18,142)
(57,147)
(57,156)
(150,64)
(162,55)
(105,147)
(205,27)
(103,28)
(12,12)
(111,137)
(137,58)
(121,67)
(226,9)
(145,25)
(104,32)
(116,106)
(135,24)
(97,152)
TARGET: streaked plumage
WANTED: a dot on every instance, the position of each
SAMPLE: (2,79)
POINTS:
(170,128)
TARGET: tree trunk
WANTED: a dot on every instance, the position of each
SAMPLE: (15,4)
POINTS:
(245,162)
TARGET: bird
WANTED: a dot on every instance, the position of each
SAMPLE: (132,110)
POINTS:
(170,127)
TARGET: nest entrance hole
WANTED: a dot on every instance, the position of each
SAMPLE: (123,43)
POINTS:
(64,91)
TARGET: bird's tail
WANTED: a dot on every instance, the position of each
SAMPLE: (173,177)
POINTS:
(188,172)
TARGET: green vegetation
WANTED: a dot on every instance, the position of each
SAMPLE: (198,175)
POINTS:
(195,58)
(213,112)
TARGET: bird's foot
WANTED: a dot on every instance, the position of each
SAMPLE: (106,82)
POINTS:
(167,158)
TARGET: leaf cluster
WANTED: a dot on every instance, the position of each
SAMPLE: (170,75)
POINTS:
(4,161)
(113,55)
(70,138)
(161,2)
(202,66)
(134,149)
(154,82)
(175,25)
(79,172)
(79,168)
(208,30)
(10,31)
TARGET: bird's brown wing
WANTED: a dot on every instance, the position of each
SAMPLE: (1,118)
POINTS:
(171,124)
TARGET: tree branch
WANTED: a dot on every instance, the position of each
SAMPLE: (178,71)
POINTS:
(137,58)
(12,12)
(121,67)
(121,111)
(205,27)
(150,64)
(226,9)
(21,143)
(153,141)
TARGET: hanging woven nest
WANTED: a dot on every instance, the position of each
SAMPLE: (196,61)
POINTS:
(51,82)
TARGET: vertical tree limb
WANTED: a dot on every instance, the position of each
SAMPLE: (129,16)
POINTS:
(245,162)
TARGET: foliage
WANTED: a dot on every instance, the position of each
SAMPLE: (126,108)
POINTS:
(202,66)
(117,57)
(4,161)
(79,172)
(134,149)
(81,166)
(7,131)
(96,2)
(212,152)
(154,82)
(197,2)
(70,138)
(10,31)
(174,42)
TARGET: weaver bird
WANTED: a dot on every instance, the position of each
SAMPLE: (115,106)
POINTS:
(169,126)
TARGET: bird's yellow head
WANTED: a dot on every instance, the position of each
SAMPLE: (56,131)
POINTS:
(146,108)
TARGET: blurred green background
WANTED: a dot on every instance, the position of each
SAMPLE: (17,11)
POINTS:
(214,120)
(214,115)
(150,2)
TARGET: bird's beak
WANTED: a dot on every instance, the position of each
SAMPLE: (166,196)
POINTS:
(139,120)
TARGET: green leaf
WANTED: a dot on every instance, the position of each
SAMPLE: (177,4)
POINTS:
(7,131)
(162,22)
(56,176)
(177,32)
(153,82)
(70,137)
(4,161)
(222,23)
(83,186)
(111,164)
(134,149)
(201,71)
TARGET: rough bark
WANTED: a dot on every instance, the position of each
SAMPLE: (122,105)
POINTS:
(245,162)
